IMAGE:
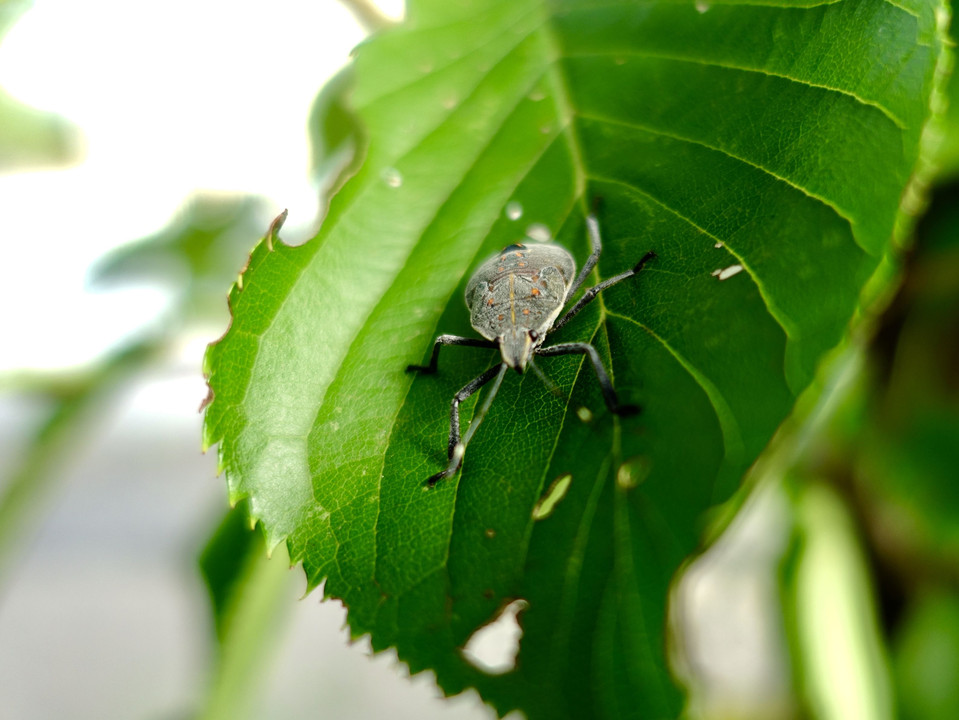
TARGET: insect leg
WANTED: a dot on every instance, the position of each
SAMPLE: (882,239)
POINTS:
(592,226)
(448,340)
(591,294)
(457,445)
(609,394)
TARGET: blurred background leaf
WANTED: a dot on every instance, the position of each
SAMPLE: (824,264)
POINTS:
(31,138)
(193,257)
(248,594)
(906,451)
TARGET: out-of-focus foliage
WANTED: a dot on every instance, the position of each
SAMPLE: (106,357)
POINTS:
(70,400)
(905,478)
(223,563)
(247,593)
(335,133)
(838,652)
(193,256)
(891,450)
(927,656)
(909,444)
(30,138)
(948,159)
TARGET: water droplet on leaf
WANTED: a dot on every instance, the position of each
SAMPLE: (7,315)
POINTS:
(392,177)
(514,211)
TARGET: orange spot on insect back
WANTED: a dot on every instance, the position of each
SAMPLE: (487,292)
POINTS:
(521,264)
(534,292)
(490,302)
(526,311)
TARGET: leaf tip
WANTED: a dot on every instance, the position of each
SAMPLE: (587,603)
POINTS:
(274,232)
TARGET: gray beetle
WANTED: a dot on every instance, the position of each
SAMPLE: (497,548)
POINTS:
(515,298)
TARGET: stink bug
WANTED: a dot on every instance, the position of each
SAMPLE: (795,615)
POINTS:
(515,298)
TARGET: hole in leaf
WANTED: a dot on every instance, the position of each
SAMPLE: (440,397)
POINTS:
(493,647)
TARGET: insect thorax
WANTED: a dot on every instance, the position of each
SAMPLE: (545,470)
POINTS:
(521,288)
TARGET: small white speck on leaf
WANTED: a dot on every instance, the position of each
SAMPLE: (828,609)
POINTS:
(727,273)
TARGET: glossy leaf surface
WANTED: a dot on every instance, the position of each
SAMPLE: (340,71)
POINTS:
(770,142)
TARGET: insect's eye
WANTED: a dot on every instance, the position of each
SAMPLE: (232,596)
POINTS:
(533,335)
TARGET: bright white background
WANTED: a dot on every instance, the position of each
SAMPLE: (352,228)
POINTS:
(104,614)
(171,97)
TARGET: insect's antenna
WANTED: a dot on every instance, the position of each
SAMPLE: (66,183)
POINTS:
(484,408)
(553,387)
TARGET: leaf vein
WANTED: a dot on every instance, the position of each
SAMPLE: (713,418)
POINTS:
(788,325)
(892,117)
(832,205)
(500,32)
(732,433)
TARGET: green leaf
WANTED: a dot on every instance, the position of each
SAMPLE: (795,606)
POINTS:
(224,560)
(949,151)
(778,139)
(335,133)
(247,592)
(839,652)
(31,138)
(927,658)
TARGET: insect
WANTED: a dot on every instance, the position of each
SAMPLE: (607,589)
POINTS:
(515,298)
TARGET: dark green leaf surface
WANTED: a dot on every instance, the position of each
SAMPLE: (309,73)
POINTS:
(775,138)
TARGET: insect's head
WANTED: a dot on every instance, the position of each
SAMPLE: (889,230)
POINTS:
(517,345)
